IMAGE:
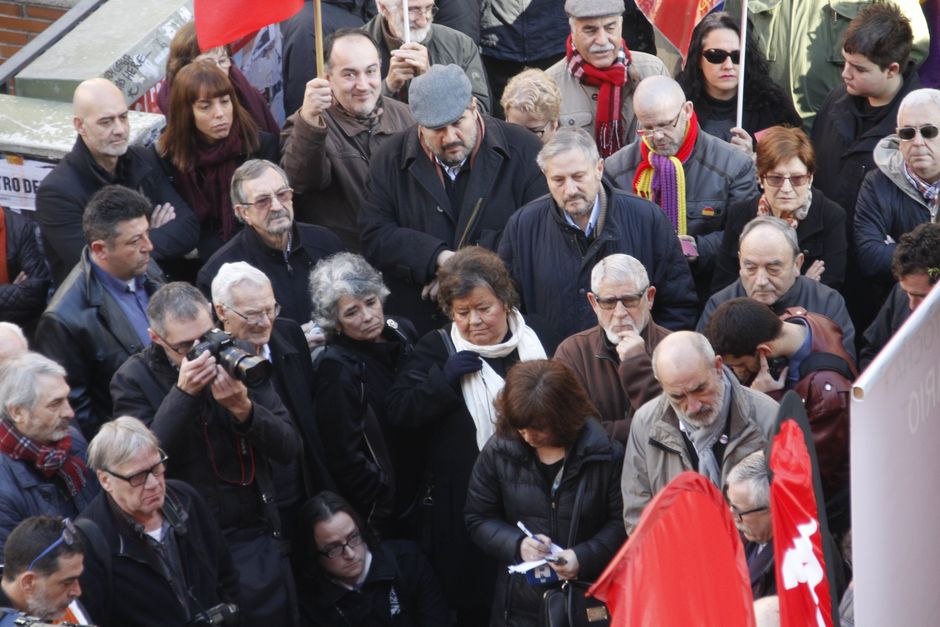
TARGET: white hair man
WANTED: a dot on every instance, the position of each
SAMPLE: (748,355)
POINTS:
(748,494)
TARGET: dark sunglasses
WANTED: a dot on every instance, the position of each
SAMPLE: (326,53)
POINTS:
(716,56)
(927,131)
(67,538)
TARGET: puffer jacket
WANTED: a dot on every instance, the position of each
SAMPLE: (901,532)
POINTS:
(888,207)
(22,302)
(507,486)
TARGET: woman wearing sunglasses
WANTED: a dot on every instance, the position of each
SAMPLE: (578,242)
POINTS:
(710,81)
(785,166)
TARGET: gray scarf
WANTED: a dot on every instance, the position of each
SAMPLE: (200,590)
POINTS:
(704,438)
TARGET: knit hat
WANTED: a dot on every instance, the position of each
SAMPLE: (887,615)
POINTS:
(440,96)
(593,8)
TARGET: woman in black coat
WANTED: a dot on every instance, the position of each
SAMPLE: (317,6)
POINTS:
(785,166)
(368,457)
(552,468)
(444,395)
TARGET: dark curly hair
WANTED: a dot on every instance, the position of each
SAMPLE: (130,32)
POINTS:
(759,89)
(918,251)
(470,268)
(738,326)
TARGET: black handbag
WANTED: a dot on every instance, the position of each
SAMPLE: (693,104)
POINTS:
(566,605)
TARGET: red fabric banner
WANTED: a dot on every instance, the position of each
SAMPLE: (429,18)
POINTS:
(220,22)
(684,565)
(675,19)
(802,584)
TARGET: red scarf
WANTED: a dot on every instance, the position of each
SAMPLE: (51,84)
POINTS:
(49,460)
(609,128)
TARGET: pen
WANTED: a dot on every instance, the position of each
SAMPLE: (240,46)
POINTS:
(526,531)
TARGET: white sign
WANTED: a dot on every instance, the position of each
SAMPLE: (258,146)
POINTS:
(19,180)
(895,439)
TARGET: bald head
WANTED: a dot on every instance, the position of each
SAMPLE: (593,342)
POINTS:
(658,91)
(691,377)
(682,350)
(662,114)
(12,341)
(100,118)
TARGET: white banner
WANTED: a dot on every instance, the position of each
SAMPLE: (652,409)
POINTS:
(19,180)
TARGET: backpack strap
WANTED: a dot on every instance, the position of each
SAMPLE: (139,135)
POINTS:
(826,361)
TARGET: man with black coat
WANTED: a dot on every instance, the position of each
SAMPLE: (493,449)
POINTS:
(24,276)
(101,156)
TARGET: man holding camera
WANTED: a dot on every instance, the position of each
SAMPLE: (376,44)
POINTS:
(223,435)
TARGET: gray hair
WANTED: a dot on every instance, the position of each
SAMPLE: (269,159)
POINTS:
(11,335)
(19,381)
(118,441)
(178,300)
(249,171)
(754,473)
(774,222)
(696,340)
(620,268)
(342,274)
(568,139)
(236,273)
(920,97)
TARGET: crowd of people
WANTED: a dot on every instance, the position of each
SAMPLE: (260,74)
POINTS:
(487,291)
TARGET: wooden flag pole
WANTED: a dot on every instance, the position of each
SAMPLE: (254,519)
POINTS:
(740,118)
(318,37)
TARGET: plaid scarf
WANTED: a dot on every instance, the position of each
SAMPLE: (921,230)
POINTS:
(609,129)
(662,179)
(49,460)
(930,191)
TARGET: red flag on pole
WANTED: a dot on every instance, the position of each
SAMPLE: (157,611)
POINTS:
(220,22)
(803,550)
(683,565)
(675,19)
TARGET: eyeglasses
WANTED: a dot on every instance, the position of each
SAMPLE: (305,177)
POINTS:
(67,537)
(775,180)
(335,550)
(661,128)
(140,478)
(630,301)
(717,56)
(256,317)
(223,61)
(416,12)
(739,515)
(927,131)
(264,203)
(180,349)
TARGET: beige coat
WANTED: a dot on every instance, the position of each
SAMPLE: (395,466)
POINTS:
(656,451)
(579,102)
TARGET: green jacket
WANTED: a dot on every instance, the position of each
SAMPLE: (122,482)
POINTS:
(802,40)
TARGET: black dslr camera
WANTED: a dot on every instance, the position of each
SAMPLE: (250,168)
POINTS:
(221,614)
(244,366)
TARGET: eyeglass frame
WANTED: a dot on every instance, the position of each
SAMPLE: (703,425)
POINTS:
(539,131)
(739,516)
(182,352)
(67,537)
(145,473)
(725,54)
(787,179)
(917,130)
(428,12)
(637,297)
(661,128)
(339,549)
(260,206)
(256,319)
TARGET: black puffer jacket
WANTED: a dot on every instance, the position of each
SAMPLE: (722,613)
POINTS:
(507,486)
(22,303)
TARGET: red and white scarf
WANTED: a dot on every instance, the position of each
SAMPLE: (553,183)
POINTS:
(609,128)
(49,460)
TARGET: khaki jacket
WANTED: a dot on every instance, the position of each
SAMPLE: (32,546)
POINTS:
(656,450)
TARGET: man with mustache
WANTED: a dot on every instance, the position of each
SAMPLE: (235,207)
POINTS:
(599,73)
(551,244)
(704,420)
(274,243)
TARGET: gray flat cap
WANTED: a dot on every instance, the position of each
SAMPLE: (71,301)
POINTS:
(593,8)
(439,96)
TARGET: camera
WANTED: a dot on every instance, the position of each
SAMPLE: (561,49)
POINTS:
(240,364)
(221,614)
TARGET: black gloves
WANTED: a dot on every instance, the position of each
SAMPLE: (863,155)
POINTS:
(459,364)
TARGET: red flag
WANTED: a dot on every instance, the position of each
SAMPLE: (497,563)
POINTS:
(799,558)
(675,19)
(220,22)
(684,564)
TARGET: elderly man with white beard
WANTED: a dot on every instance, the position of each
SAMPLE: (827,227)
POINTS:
(704,421)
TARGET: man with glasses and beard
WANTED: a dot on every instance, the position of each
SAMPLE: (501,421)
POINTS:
(704,421)
(42,564)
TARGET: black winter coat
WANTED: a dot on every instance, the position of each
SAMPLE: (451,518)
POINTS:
(821,236)
(894,313)
(86,331)
(63,194)
(135,591)
(507,487)
(408,220)
(22,303)
(289,274)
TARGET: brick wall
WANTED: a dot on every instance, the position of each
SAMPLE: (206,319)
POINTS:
(20,22)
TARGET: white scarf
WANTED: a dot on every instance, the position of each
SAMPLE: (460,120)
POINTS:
(480,388)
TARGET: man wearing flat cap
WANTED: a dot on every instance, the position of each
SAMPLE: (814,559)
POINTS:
(451,181)
(599,73)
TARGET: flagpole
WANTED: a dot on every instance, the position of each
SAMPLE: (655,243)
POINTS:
(318,37)
(406,23)
(740,117)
